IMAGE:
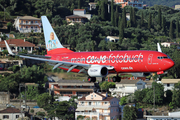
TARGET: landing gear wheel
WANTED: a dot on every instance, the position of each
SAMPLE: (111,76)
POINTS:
(91,79)
(159,78)
(116,79)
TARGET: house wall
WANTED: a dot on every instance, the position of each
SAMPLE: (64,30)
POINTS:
(94,96)
(25,26)
(79,12)
(114,109)
(4,98)
(166,44)
(104,110)
(12,116)
(168,86)
(108,38)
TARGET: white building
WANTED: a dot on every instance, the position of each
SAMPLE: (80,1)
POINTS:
(169,44)
(96,106)
(82,12)
(11,114)
(17,45)
(177,7)
(92,5)
(127,87)
(169,83)
(112,38)
(171,116)
(27,24)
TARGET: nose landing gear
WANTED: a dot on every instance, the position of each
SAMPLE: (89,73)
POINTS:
(91,79)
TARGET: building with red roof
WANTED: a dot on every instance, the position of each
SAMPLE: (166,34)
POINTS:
(133,3)
(97,106)
(17,45)
(11,113)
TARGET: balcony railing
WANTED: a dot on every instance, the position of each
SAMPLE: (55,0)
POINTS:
(105,113)
(29,23)
(87,113)
(27,30)
(95,106)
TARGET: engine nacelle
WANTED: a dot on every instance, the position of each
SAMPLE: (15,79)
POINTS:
(140,74)
(97,71)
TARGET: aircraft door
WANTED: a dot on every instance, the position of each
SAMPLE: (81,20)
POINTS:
(150,59)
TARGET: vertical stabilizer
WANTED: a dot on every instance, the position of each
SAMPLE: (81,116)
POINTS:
(53,45)
(51,40)
(159,48)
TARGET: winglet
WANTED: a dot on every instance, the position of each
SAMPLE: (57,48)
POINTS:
(8,48)
(159,48)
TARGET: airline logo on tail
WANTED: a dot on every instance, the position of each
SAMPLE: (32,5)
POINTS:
(52,42)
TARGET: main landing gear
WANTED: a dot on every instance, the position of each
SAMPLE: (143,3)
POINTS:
(114,79)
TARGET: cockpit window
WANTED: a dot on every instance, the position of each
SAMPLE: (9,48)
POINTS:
(163,57)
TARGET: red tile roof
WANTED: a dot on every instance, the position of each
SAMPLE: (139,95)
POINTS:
(10,110)
(17,42)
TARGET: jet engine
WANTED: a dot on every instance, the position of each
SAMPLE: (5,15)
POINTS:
(97,71)
(140,74)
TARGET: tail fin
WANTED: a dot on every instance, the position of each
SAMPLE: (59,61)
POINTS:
(52,42)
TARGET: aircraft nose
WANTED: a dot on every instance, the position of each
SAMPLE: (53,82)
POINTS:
(171,63)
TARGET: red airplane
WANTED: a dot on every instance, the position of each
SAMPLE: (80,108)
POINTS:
(99,64)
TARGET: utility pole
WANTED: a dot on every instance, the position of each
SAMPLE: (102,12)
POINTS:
(21,85)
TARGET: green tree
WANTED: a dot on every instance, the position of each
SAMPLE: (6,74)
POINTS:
(116,16)
(112,13)
(163,23)
(140,94)
(106,85)
(159,17)
(134,17)
(142,19)
(149,21)
(44,100)
(124,21)
(121,32)
(79,4)
(131,17)
(171,30)
(129,113)
(177,28)
(103,10)
(175,99)
(123,100)
(57,20)
(102,45)
(9,25)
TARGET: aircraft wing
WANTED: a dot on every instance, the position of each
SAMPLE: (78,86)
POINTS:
(69,65)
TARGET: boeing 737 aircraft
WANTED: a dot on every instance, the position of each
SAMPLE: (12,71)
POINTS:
(102,63)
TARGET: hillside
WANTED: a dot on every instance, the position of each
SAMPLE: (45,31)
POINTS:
(170,3)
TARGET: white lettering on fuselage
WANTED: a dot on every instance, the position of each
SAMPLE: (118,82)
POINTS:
(109,59)
(127,68)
